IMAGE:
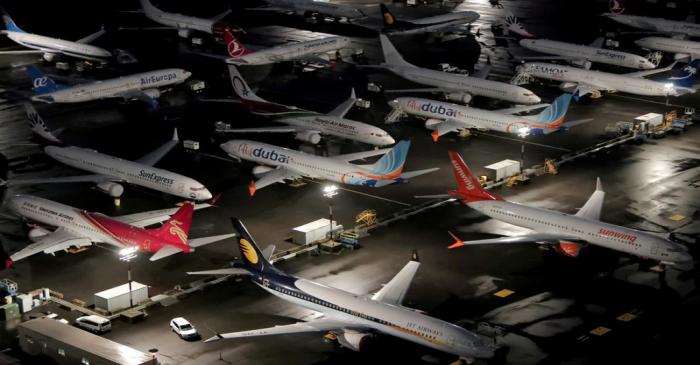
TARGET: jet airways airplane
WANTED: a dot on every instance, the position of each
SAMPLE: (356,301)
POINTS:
(673,27)
(583,55)
(444,117)
(143,86)
(353,318)
(290,164)
(78,228)
(595,82)
(682,48)
(50,47)
(568,233)
(455,21)
(459,88)
(240,55)
(185,24)
(307,126)
(110,172)
(313,8)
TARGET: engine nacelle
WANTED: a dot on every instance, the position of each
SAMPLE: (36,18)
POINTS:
(261,170)
(568,249)
(184,33)
(152,93)
(37,233)
(354,340)
(582,63)
(463,98)
(432,124)
(309,137)
(49,57)
(113,189)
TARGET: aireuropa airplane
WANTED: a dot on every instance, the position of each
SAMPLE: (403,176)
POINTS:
(443,118)
(290,164)
(459,88)
(307,126)
(682,49)
(673,27)
(313,8)
(110,172)
(50,47)
(582,55)
(240,55)
(454,21)
(143,86)
(595,82)
(568,233)
(353,318)
(185,24)
(79,228)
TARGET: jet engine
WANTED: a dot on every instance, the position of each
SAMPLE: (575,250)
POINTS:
(152,93)
(585,64)
(38,233)
(432,123)
(184,33)
(352,340)
(463,98)
(113,189)
(309,137)
(261,170)
(49,56)
(568,249)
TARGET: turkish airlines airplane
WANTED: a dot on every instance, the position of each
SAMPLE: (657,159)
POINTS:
(568,233)
(582,55)
(79,228)
(50,47)
(680,47)
(353,318)
(453,21)
(185,24)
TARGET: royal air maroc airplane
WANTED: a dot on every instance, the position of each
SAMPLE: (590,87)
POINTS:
(352,317)
(568,233)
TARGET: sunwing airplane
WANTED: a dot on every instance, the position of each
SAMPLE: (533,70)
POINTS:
(185,24)
(306,125)
(675,28)
(50,47)
(353,318)
(79,228)
(459,88)
(143,86)
(313,8)
(455,21)
(682,49)
(443,118)
(568,233)
(595,82)
(582,55)
(290,164)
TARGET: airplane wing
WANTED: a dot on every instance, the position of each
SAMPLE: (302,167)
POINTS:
(651,72)
(483,72)
(585,89)
(528,238)
(521,109)
(26,51)
(165,251)
(361,155)
(145,219)
(281,129)
(446,127)
(58,240)
(278,175)
(395,290)
(63,179)
(345,107)
(420,90)
(92,36)
(137,95)
(598,42)
(594,204)
(319,325)
(169,250)
(153,157)
(228,271)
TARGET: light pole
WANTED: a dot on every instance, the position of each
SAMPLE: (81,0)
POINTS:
(329,191)
(522,133)
(128,254)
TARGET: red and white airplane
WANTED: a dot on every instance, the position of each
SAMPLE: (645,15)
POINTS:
(568,233)
(78,228)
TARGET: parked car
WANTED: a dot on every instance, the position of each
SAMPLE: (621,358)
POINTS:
(94,324)
(183,328)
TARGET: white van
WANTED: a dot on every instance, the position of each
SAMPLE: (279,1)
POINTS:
(94,324)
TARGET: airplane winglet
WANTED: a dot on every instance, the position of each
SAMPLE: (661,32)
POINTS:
(414,256)
(352,94)
(435,135)
(175,135)
(458,242)
(9,263)
(251,188)
(598,185)
(214,199)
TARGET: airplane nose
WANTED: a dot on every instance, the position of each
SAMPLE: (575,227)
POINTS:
(186,74)
(205,195)
(389,140)
(534,99)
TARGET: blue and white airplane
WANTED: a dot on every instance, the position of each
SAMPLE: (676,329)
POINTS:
(353,318)
(50,47)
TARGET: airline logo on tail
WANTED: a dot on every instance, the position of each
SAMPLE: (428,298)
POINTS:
(240,86)
(248,251)
(40,82)
(616,7)
(459,171)
(177,231)
(235,48)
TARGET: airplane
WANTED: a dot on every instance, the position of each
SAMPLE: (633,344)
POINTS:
(677,29)
(110,172)
(142,86)
(582,55)
(307,126)
(513,25)
(595,82)
(289,164)
(567,233)
(313,9)
(443,118)
(79,228)
(50,47)
(459,88)
(353,318)
(39,127)
(454,21)
(185,24)
(240,55)
(682,49)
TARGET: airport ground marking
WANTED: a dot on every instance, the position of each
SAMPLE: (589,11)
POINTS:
(527,142)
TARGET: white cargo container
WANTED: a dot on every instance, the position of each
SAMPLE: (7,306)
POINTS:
(117,298)
(25,302)
(314,231)
(504,169)
(651,119)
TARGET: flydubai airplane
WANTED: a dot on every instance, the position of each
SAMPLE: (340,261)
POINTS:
(673,27)
(682,49)
(278,164)
(50,47)
(307,126)
(353,318)
(240,55)
(443,118)
(143,86)
(582,55)
(568,233)
(313,8)
(455,21)
(79,228)
(459,88)
(185,24)
(110,172)
(596,82)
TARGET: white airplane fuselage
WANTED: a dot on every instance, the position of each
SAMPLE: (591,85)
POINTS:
(671,45)
(337,126)
(181,21)
(291,51)
(129,171)
(55,45)
(658,24)
(593,54)
(302,7)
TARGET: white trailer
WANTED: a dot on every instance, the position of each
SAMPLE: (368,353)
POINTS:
(314,231)
(504,169)
(118,298)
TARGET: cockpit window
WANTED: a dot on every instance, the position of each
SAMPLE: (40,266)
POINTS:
(197,189)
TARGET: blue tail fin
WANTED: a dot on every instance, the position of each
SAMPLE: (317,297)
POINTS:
(392,162)
(253,258)
(41,84)
(553,115)
(10,24)
(686,76)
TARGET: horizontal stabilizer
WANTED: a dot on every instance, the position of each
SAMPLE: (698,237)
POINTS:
(198,242)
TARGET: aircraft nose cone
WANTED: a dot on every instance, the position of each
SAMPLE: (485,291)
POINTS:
(534,99)
(205,195)
(389,140)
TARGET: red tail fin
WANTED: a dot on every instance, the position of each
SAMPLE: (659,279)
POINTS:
(235,48)
(177,228)
(468,187)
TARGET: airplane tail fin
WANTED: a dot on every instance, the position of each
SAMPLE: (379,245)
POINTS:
(41,84)
(234,46)
(687,75)
(253,258)
(176,229)
(9,23)
(38,125)
(391,55)
(514,25)
(391,164)
(388,18)
(240,87)
(468,187)
(552,117)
